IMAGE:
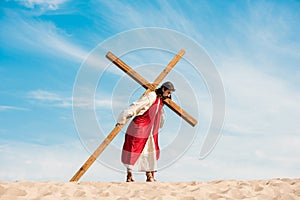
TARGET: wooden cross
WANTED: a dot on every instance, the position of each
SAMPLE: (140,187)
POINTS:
(149,87)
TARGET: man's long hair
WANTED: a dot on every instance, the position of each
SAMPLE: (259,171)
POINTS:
(159,92)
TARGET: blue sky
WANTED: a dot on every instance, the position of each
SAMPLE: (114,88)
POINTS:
(255,46)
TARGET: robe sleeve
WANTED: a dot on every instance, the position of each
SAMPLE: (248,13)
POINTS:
(136,108)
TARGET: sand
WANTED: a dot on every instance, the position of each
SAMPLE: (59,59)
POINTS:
(224,189)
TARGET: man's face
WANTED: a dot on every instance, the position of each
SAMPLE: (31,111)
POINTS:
(167,92)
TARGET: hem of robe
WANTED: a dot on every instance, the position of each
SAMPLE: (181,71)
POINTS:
(148,154)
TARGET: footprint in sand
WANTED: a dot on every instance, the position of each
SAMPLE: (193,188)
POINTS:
(224,190)
(79,193)
(174,194)
(215,196)
(104,194)
(258,188)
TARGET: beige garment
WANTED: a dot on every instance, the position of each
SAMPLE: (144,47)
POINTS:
(147,161)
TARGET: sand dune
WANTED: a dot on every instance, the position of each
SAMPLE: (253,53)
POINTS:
(228,189)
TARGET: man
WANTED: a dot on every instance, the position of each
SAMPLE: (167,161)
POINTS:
(140,149)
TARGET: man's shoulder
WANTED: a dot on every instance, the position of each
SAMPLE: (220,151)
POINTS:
(151,96)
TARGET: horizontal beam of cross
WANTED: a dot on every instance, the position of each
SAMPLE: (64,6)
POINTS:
(129,71)
(147,85)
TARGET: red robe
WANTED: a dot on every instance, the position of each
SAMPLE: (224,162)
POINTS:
(139,131)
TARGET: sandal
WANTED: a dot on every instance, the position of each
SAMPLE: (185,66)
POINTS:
(149,177)
(129,177)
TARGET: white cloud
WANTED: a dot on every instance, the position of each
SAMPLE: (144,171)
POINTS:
(44,38)
(268,29)
(43,4)
(88,103)
(164,15)
(44,95)
(4,108)
(234,157)
(242,158)
(32,162)
(259,103)
(49,98)
(261,132)
(259,68)
(39,37)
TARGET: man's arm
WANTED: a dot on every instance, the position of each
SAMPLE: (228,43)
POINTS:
(142,104)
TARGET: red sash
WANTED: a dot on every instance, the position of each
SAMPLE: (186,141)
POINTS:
(138,133)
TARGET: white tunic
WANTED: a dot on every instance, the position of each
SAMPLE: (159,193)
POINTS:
(139,107)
